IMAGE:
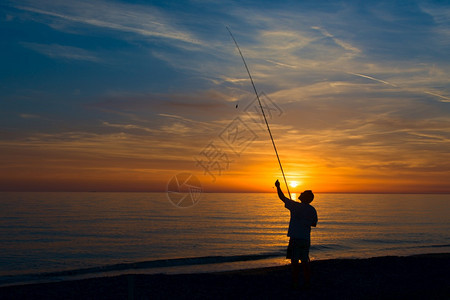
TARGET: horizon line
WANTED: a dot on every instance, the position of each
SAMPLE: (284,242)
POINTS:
(232,192)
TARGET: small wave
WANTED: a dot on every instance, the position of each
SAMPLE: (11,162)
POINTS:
(420,247)
(385,241)
(328,247)
(437,246)
(164,263)
(160,263)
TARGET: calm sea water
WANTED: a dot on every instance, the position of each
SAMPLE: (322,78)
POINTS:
(59,235)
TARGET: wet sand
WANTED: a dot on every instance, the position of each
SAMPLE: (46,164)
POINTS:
(414,277)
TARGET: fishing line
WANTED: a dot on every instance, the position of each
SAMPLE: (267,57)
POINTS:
(262,110)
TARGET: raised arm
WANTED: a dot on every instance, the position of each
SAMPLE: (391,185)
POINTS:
(280,192)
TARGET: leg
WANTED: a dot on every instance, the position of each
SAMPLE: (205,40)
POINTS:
(306,272)
(304,257)
(295,272)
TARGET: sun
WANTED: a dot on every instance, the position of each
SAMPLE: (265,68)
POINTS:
(293,184)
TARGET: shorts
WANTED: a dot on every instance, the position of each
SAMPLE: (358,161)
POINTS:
(298,249)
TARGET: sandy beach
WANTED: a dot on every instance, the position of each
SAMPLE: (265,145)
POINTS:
(414,277)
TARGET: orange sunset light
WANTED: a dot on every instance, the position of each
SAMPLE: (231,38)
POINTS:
(110,165)
(347,112)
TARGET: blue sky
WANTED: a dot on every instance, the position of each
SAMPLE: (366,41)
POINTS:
(92,92)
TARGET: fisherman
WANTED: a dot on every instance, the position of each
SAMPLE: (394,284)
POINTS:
(303,216)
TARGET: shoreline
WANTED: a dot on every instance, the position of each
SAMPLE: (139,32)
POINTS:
(422,276)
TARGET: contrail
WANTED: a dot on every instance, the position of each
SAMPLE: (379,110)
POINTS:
(442,98)
(281,64)
(372,78)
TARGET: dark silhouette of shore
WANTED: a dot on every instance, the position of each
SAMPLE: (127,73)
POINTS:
(413,277)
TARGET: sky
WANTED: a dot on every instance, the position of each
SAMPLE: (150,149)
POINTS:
(128,95)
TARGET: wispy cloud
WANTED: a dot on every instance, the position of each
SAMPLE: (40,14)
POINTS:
(373,78)
(29,116)
(204,104)
(129,127)
(191,121)
(63,52)
(145,21)
(441,16)
(441,97)
(345,45)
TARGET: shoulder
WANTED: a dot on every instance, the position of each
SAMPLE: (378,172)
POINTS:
(310,208)
(290,204)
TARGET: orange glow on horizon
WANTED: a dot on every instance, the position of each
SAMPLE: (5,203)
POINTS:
(344,115)
(107,166)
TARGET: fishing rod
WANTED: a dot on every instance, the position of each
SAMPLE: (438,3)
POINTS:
(262,110)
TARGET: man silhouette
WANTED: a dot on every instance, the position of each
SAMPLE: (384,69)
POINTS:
(303,216)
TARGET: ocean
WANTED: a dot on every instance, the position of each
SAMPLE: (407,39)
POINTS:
(61,236)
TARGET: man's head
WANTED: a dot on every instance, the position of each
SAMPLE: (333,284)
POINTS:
(306,197)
